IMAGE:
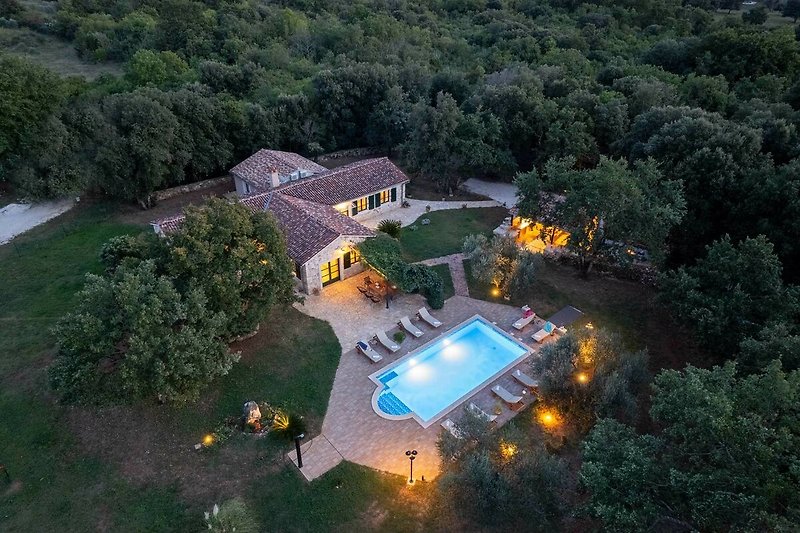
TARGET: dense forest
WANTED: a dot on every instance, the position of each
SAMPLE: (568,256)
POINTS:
(687,110)
(455,88)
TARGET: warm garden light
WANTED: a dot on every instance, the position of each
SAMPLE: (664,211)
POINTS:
(495,291)
(208,440)
(508,450)
(582,377)
(548,417)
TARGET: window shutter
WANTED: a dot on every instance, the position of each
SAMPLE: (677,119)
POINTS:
(354,210)
(394,194)
(372,201)
(377,199)
(347,260)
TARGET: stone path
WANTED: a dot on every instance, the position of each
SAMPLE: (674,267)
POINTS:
(408,215)
(319,456)
(456,264)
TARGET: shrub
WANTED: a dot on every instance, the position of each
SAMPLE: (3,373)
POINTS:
(390,227)
(399,337)
(233,515)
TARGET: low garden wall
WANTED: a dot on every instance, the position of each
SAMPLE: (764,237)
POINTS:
(189,187)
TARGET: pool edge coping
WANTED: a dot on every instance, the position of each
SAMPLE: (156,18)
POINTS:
(441,414)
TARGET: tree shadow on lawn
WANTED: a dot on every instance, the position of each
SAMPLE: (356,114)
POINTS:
(290,363)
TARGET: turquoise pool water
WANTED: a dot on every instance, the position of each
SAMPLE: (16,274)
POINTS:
(429,381)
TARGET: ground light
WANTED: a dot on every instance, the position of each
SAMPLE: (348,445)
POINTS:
(508,450)
(582,377)
(548,417)
(208,440)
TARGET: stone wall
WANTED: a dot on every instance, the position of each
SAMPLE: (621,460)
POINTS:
(189,187)
(385,207)
(353,152)
(310,271)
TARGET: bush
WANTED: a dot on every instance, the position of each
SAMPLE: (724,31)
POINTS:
(390,227)
(399,337)
(233,515)
(383,254)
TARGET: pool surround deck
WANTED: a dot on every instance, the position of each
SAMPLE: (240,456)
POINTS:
(351,427)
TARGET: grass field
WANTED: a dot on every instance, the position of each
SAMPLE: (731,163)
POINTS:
(51,52)
(133,468)
(445,234)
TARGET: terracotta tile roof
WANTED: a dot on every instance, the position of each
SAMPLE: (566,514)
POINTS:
(308,227)
(257,169)
(347,182)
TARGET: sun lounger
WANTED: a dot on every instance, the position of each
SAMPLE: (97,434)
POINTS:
(409,327)
(387,342)
(505,395)
(450,426)
(481,413)
(545,332)
(525,379)
(528,316)
(367,350)
(427,317)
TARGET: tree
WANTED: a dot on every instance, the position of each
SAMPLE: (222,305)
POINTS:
(134,336)
(610,206)
(500,262)
(723,459)
(29,95)
(147,67)
(137,147)
(731,294)
(431,147)
(387,126)
(237,258)
(508,480)
(591,376)
(757,15)
(791,9)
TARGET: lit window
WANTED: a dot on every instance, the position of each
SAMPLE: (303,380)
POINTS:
(385,197)
(362,204)
(355,257)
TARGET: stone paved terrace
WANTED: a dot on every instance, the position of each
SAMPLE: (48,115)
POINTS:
(351,426)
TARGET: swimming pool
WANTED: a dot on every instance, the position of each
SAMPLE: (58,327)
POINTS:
(431,380)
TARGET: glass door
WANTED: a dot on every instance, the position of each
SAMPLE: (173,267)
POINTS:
(330,272)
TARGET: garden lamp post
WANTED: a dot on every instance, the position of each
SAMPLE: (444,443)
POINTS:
(411,454)
(297,448)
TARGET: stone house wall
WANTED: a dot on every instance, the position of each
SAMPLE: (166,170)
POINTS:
(310,272)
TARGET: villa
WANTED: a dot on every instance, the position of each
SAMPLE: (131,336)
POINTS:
(318,209)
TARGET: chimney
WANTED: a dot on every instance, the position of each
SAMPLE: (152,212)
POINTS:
(274,178)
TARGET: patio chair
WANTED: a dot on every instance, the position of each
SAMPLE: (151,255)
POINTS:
(409,327)
(506,396)
(367,350)
(480,413)
(427,317)
(450,426)
(545,332)
(527,317)
(362,290)
(388,343)
(525,379)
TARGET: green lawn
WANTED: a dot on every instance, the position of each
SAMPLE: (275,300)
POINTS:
(445,234)
(127,468)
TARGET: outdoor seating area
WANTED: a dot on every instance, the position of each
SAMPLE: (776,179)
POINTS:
(376,290)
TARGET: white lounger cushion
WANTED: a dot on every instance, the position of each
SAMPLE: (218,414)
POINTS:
(524,378)
(524,321)
(409,327)
(481,413)
(505,395)
(427,317)
(387,342)
(367,350)
(450,426)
